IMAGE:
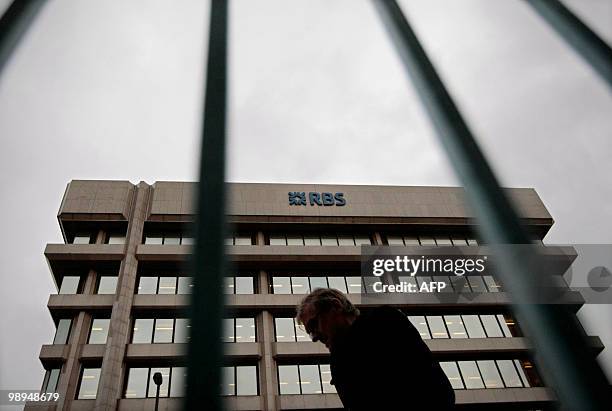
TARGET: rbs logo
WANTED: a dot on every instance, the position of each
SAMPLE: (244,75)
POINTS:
(326,199)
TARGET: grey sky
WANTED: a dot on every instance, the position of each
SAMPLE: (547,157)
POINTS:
(112,90)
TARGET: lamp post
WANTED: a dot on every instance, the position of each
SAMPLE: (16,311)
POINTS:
(157,379)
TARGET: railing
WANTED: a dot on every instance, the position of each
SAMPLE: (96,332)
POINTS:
(562,354)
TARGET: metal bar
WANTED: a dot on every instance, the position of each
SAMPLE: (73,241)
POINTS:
(561,353)
(14,23)
(208,264)
(584,40)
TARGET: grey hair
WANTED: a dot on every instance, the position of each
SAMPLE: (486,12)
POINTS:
(323,299)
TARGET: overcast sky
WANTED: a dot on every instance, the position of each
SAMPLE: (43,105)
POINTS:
(112,90)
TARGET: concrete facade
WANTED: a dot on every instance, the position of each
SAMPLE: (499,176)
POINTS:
(107,208)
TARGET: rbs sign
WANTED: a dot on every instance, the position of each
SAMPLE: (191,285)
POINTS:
(298,198)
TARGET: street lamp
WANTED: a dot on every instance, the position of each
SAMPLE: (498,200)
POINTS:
(157,379)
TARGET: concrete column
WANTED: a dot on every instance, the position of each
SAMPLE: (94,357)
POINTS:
(267,369)
(101,237)
(111,376)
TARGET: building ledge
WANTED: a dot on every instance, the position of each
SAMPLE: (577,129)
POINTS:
(253,402)
(509,398)
(85,252)
(53,353)
(62,305)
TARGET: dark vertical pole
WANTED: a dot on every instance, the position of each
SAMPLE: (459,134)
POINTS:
(208,265)
(584,40)
(561,353)
(14,23)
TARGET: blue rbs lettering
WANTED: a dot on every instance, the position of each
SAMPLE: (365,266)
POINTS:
(298,198)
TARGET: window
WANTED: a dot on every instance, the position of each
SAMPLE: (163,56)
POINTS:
(51,380)
(89,383)
(491,284)
(436,325)
(163,331)
(318,282)
(419,323)
(295,240)
(473,326)
(245,330)
(346,240)
(178,382)
(491,326)
(304,379)
(154,239)
(455,326)
(82,238)
(137,383)
(353,285)
(163,388)
(167,285)
(338,283)
(238,330)
(182,330)
(328,240)
(477,284)
(281,285)
(243,240)
(147,285)
(185,285)
(63,331)
(489,373)
(240,380)
(143,331)
(172,239)
(470,373)
(70,284)
(116,239)
(299,285)
(312,240)
(509,374)
(285,329)
(326,379)
(244,285)
(99,331)
(452,373)
(107,284)
(288,379)
(310,379)
(140,382)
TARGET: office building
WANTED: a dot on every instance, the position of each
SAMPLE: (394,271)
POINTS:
(123,290)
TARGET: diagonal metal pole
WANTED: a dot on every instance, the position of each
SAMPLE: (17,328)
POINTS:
(562,355)
(208,264)
(13,25)
(584,40)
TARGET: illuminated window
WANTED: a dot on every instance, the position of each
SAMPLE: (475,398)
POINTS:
(163,388)
(116,239)
(299,285)
(88,386)
(185,285)
(240,380)
(143,331)
(509,374)
(288,379)
(452,373)
(82,238)
(337,283)
(421,325)
(245,330)
(182,330)
(304,379)
(489,373)
(167,285)
(436,325)
(99,331)
(455,327)
(164,328)
(310,379)
(285,329)
(137,383)
(147,285)
(491,326)
(471,376)
(473,326)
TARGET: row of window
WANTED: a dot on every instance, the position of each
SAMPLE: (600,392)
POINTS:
(282,284)
(355,284)
(320,240)
(430,240)
(168,239)
(305,379)
(71,284)
(140,382)
(488,374)
(90,238)
(296,378)
(464,326)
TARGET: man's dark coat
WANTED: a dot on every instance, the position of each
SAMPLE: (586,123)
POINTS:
(381,363)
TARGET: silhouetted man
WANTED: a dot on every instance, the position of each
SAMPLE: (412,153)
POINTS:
(378,360)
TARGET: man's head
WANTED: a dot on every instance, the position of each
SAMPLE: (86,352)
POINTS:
(326,314)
